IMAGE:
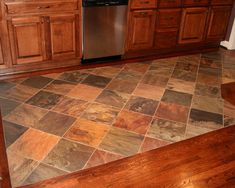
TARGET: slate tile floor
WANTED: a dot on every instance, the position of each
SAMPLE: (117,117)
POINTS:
(64,122)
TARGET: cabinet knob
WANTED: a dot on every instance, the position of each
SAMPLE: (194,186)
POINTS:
(43,7)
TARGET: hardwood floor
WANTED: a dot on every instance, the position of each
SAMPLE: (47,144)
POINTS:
(227,91)
(206,161)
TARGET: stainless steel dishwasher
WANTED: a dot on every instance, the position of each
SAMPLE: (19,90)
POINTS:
(104,27)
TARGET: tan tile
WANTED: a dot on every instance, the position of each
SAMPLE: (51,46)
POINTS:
(87,132)
(109,72)
(34,144)
(151,143)
(85,92)
(149,91)
(181,85)
(138,67)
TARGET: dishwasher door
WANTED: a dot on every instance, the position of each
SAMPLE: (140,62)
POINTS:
(104,30)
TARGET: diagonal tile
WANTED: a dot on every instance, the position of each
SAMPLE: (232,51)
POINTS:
(186,66)
(69,156)
(70,106)
(172,112)
(229,109)
(153,79)
(181,86)
(138,67)
(113,98)
(149,91)
(176,97)
(45,99)
(128,74)
(229,121)
(100,157)
(161,71)
(73,76)
(142,105)
(87,132)
(109,71)
(37,81)
(209,91)
(167,130)
(192,59)
(167,62)
(4,86)
(101,113)
(121,142)
(55,123)
(207,79)
(26,115)
(12,132)
(193,130)
(184,75)
(151,143)
(85,92)
(96,81)
(60,86)
(133,121)
(7,106)
(34,144)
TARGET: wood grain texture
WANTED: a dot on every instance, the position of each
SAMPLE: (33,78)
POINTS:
(227,90)
(205,161)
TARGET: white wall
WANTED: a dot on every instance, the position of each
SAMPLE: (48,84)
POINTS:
(230,45)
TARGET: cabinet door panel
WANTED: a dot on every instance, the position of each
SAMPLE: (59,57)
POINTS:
(193,25)
(218,23)
(141,29)
(1,55)
(27,39)
(63,36)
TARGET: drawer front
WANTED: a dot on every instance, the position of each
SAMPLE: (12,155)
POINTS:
(165,39)
(169,18)
(32,7)
(143,4)
(222,2)
(169,3)
(195,2)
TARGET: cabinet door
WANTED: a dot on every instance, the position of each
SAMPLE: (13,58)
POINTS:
(27,39)
(218,23)
(193,25)
(141,29)
(64,36)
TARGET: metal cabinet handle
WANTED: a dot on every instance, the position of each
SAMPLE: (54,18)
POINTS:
(43,7)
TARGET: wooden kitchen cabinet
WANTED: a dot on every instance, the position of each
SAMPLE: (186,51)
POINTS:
(193,25)
(218,22)
(27,39)
(1,54)
(141,29)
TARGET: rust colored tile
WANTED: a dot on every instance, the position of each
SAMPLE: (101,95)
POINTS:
(138,67)
(128,74)
(229,109)
(85,92)
(125,86)
(87,132)
(152,78)
(149,91)
(181,85)
(37,81)
(34,144)
(133,121)
(102,157)
(7,106)
(73,76)
(96,81)
(184,75)
(151,143)
(209,79)
(59,86)
(173,112)
(109,72)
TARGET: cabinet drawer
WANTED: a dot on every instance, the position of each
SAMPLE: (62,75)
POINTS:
(143,4)
(169,18)
(195,2)
(169,3)
(222,2)
(165,38)
(32,7)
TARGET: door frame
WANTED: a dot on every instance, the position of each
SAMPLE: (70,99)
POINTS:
(4,168)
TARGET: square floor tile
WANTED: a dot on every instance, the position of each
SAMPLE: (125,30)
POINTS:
(172,112)
(96,81)
(100,157)
(52,75)
(192,131)
(101,113)
(121,142)
(69,156)
(109,72)
(153,79)
(124,86)
(186,66)
(149,91)
(176,97)
(133,121)
(12,132)
(229,109)
(229,121)
(208,104)
(167,130)
(205,62)
(60,86)
(128,74)
(151,144)
(205,119)
(4,86)
(37,81)
(181,86)
(184,75)
(7,106)
(192,59)
(45,99)
(113,98)
(85,92)
(73,76)
(138,67)
(161,71)
(142,105)
(55,123)
(209,91)
(43,172)
(20,168)
(210,71)
(87,132)
(209,80)
(26,115)
(20,93)
(166,62)
(71,106)
(34,144)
